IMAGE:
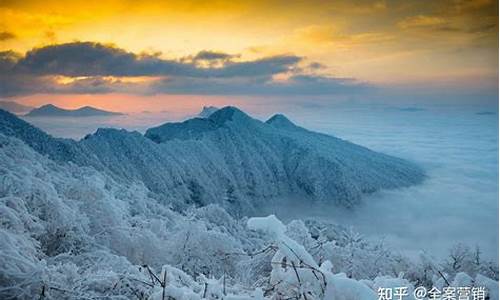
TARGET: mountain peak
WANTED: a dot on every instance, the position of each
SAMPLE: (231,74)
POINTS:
(228,113)
(50,105)
(197,127)
(46,108)
(50,110)
(280,121)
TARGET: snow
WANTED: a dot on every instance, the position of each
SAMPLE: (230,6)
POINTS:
(269,224)
(490,285)
(296,274)
(79,220)
(462,279)
(347,289)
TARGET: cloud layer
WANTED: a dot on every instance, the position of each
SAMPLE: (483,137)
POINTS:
(87,67)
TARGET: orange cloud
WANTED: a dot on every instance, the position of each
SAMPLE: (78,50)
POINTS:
(421,21)
(361,39)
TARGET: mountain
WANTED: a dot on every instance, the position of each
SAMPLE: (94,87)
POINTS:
(51,110)
(280,121)
(230,159)
(14,107)
(207,111)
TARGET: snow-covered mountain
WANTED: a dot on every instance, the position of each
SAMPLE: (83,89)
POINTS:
(51,110)
(230,159)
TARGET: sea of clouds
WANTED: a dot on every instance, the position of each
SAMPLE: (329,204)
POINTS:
(457,146)
(458,203)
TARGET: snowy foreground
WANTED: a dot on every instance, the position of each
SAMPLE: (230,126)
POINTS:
(69,231)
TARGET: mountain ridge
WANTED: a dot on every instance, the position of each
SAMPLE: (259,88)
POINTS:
(230,159)
(50,110)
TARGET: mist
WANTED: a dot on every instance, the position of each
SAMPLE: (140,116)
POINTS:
(458,203)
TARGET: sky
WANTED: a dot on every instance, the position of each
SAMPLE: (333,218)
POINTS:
(415,79)
(133,56)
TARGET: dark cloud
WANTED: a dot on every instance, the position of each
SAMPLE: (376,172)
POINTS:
(37,71)
(261,67)
(316,66)
(8,60)
(321,85)
(13,85)
(482,29)
(16,85)
(95,59)
(486,28)
(212,55)
(296,85)
(6,35)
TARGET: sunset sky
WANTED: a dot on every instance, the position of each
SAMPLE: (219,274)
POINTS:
(142,55)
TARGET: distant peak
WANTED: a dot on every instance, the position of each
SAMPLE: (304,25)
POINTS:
(280,121)
(50,110)
(228,113)
(49,105)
